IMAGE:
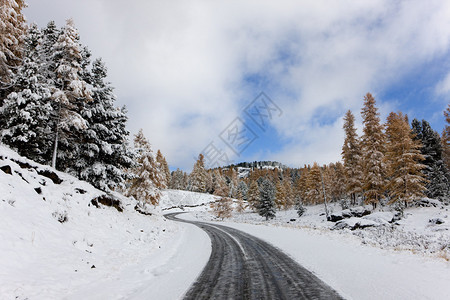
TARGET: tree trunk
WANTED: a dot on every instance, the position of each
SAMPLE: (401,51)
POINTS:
(55,150)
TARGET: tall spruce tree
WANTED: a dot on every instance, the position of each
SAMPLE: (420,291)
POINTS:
(403,160)
(69,92)
(351,155)
(26,111)
(435,170)
(266,207)
(373,148)
(104,153)
(197,178)
(446,138)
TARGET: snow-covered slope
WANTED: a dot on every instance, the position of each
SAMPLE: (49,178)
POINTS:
(171,199)
(55,243)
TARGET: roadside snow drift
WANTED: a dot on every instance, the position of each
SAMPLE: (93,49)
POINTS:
(59,238)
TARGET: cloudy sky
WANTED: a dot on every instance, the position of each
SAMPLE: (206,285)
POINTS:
(191,73)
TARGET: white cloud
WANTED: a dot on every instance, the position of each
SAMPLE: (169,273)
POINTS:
(179,66)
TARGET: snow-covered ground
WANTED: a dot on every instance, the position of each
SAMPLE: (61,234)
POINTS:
(172,199)
(422,230)
(55,244)
(352,262)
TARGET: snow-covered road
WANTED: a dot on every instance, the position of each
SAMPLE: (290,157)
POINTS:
(356,271)
(244,267)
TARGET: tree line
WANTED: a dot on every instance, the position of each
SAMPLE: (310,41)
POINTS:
(394,163)
(58,108)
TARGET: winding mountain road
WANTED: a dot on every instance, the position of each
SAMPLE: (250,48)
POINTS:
(242,266)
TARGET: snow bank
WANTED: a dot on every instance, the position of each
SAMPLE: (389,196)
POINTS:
(55,243)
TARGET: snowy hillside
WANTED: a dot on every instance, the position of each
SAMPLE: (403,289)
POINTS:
(183,199)
(58,240)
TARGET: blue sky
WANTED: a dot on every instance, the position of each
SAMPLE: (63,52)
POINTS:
(186,70)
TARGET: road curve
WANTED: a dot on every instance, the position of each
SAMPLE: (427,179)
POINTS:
(242,266)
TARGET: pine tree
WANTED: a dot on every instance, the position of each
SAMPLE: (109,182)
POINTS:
(266,199)
(12,30)
(351,155)
(177,180)
(373,148)
(403,157)
(220,186)
(253,195)
(301,187)
(339,181)
(280,195)
(240,207)
(314,191)
(26,112)
(446,138)
(104,153)
(436,173)
(164,169)
(233,184)
(209,182)
(243,189)
(197,179)
(146,180)
(290,201)
(68,93)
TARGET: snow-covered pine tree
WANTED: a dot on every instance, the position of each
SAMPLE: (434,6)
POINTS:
(403,161)
(373,148)
(209,182)
(233,184)
(446,138)
(243,189)
(69,92)
(197,178)
(146,180)
(266,207)
(164,168)
(240,205)
(177,180)
(26,111)
(220,186)
(253,195)
(351,155)
(104,153)
(436,173)
(12,30)
(300,208)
